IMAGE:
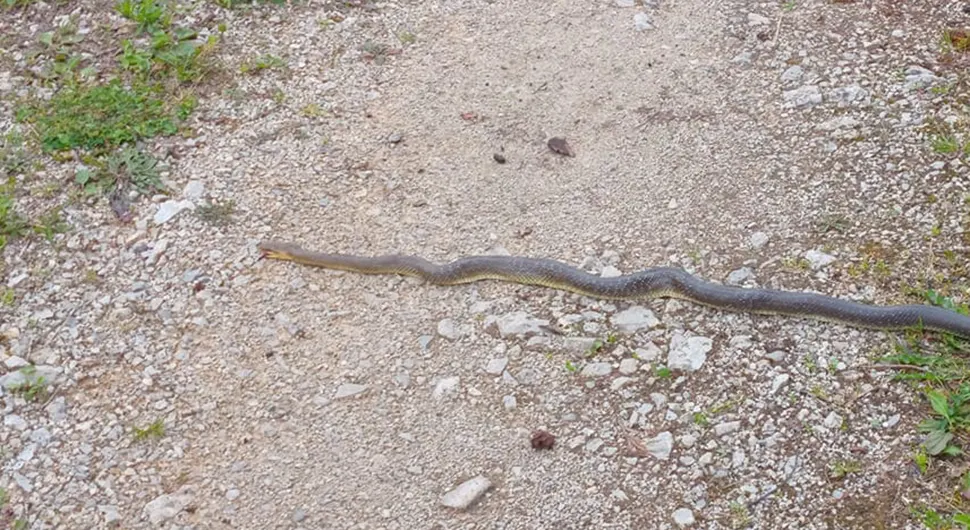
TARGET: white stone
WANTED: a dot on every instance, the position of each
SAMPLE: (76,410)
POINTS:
(466,493)
(661,445)
(448,329)
(349,390)
(683,517)
(688,354)
(496,366)
(634,319)
(448,385)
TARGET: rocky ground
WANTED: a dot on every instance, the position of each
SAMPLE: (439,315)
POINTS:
(157,373)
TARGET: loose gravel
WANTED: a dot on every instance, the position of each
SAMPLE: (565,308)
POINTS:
(189,384)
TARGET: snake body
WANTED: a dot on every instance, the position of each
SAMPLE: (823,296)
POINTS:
(657,282)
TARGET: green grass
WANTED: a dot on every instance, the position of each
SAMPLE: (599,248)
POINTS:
(34,388)
(128,167)
(945,144)
(149,15)
(844,468)
(239,4)
(216,213)
(99,117)
(12,223)
(155,431)
(263,62)
(941,372)
(170,54)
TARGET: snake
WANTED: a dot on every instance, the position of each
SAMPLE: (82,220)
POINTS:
(655,282)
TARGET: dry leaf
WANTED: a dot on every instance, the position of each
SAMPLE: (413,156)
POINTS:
(559,145)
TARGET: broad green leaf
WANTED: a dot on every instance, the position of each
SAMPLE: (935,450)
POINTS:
(938,401)
(936,442)
(952,450)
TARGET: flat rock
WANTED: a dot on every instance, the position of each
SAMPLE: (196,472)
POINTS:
(347,390)
(447,385)
(167,506)
(169,209)
(758,240)
(629,366)
(496,366)
(634,319)
(688,354)
(642,22)
(727,427)
(597,370)
(806,96)
(818,260)
(448,329)
(683,517)
(466,493)
(519,323)
(660,445)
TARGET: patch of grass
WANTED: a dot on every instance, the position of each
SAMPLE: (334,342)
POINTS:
(313,110)
(934,520)
(740,516)
(662,372)
(51,224)
(377,52)
(796,264)
(12,224)
(129,167)
(956,39)
(34,388)
(155,431)
(99,117)
(951,414)
(216,213)
(945,144)
(263,62)
(150,15)
(843,468)
(240,4)
(14,4)
(571,367)
(174,54)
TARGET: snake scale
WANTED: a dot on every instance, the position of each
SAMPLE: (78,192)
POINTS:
(655,282)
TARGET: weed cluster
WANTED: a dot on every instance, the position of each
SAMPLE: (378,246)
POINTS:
(103,117)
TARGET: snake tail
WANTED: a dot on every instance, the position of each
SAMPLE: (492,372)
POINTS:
(657,282)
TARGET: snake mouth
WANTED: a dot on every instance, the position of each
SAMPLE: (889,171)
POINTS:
(275,254)
(266,251)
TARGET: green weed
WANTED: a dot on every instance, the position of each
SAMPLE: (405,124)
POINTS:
(263,62)
(945,144)
(155,430)
(843,468)
(173,54)
(12,224)
(952,413)
(99,117)
(34,388)
(51,224)
(150,15)
(216,213)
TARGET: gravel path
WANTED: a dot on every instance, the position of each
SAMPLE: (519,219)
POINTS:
(779,145)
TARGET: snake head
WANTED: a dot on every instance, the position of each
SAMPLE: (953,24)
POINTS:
(273,250)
